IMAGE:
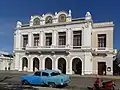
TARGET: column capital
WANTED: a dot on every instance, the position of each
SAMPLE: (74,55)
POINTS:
(41,30)
(68,28)
(53,30)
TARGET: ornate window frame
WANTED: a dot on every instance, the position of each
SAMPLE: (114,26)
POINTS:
(60,17)
(48,21)
(36,21)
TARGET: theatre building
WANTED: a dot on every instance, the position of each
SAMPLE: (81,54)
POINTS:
(58,41)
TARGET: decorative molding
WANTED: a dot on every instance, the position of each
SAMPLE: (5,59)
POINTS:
(52,25)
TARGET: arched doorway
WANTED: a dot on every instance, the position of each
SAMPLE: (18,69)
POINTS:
(35,64)
(62,65)
(77,66)
(24,64)
(48,63)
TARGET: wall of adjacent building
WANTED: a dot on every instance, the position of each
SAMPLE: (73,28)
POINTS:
(103,30)
(4,63)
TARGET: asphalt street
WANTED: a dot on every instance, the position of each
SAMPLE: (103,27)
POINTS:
(77,82)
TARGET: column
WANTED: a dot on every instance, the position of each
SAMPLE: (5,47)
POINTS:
(69,65)
(56,64)
(28,68)
(30,39)
(88,63)
(31,65)
(67,68)
(42,39)
(54,38)
(20,65)
(42,64)
(16,59)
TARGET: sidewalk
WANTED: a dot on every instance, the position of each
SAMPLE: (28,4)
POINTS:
(94,76)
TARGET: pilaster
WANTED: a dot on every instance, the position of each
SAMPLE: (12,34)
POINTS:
(20,65)
(109,65)
(15,40)
(87,40)
(69,37)
(30,41)
(42,39)
(17,59)
(18,39)
(54,38)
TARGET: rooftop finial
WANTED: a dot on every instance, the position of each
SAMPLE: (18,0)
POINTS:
(55,13)
(43,15)
(88,15)
(70,12)
(31,17)
(19,24)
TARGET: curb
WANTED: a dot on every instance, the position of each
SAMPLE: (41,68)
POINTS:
(47,88)
(107,77)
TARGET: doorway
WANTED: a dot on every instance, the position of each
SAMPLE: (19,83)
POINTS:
(62,65)
(101,68)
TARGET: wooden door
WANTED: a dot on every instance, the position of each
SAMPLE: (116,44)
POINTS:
(101,68)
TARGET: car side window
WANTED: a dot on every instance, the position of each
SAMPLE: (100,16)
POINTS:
(45,74)
(37,73)
(55,73)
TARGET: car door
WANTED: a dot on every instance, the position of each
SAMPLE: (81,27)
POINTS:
(45,78)
(36,79)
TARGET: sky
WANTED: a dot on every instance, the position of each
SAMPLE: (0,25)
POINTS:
(13,10)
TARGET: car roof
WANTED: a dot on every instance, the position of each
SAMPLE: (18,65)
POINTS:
(48,71)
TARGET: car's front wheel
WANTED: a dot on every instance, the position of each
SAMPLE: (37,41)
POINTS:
(25,82)
(52,85)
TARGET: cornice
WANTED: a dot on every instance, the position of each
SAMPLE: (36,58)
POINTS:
(52,25)
(103,24)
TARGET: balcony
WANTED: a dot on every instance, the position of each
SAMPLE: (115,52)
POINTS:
(59,48)
(103,50)
(48,48)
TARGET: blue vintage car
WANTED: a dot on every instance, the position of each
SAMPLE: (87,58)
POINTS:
(51,78)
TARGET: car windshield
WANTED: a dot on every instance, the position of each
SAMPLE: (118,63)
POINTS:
(55,73)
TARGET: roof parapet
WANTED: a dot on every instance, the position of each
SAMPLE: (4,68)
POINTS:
(103,24)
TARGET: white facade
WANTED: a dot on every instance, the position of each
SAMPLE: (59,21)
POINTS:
(69,58)
(5,61)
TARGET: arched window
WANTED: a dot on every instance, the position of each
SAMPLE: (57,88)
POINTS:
(48,20)
(36,21)
(62,18)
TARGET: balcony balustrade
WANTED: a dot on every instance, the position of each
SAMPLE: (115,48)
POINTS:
(103,50)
